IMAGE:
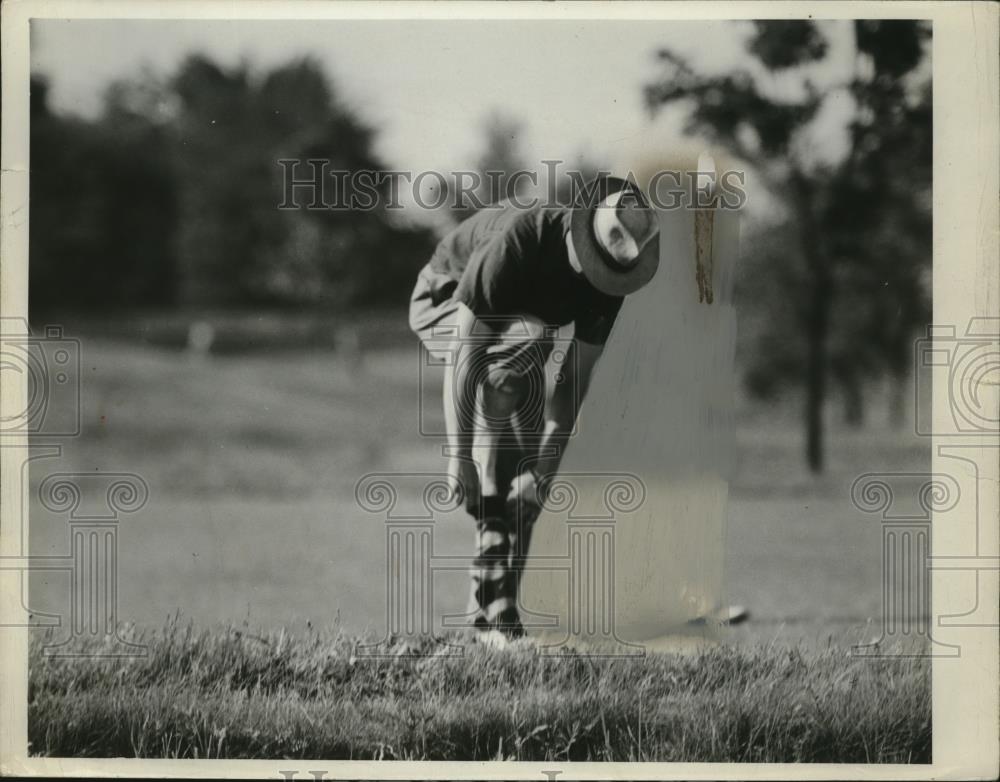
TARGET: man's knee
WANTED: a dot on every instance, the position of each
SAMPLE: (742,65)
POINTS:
(517,371)
(504,391)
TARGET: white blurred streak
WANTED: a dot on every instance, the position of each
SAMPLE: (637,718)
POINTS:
(660,408)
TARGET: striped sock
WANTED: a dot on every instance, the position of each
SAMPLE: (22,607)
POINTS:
(493,584)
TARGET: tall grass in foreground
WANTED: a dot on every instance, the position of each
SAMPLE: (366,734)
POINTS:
(225,693)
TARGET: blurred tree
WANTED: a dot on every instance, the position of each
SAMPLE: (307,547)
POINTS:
(103,209)
(502,158)
(499,159)
(501,154)
(881,210)
(846,287)
(171,197)
(225,156)
(236,246)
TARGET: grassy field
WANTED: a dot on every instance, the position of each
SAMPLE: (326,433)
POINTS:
(251,462)
(229,694)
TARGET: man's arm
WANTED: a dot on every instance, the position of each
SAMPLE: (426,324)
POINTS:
(564,404)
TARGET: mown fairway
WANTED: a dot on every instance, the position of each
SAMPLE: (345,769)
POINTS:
(252,461)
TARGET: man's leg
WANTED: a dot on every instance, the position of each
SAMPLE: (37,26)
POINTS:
(514,393)
(494,585)
(522,511)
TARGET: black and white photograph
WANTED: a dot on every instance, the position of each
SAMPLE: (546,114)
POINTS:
(513,390)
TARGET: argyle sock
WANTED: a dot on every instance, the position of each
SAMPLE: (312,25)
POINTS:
(494,584)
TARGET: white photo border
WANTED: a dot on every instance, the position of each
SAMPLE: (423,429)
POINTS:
(966,78)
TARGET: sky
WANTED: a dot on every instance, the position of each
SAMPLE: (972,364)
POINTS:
(429,86)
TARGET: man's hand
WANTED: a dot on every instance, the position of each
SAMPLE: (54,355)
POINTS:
(525,498)
(463,481)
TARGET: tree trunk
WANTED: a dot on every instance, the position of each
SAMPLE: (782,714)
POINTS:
(817,328)
(816,318)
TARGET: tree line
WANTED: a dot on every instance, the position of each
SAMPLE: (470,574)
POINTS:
(169,198)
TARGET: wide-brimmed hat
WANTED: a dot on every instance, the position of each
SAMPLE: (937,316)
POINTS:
(615,236)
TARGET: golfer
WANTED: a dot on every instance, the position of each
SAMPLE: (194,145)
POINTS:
(495,293)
